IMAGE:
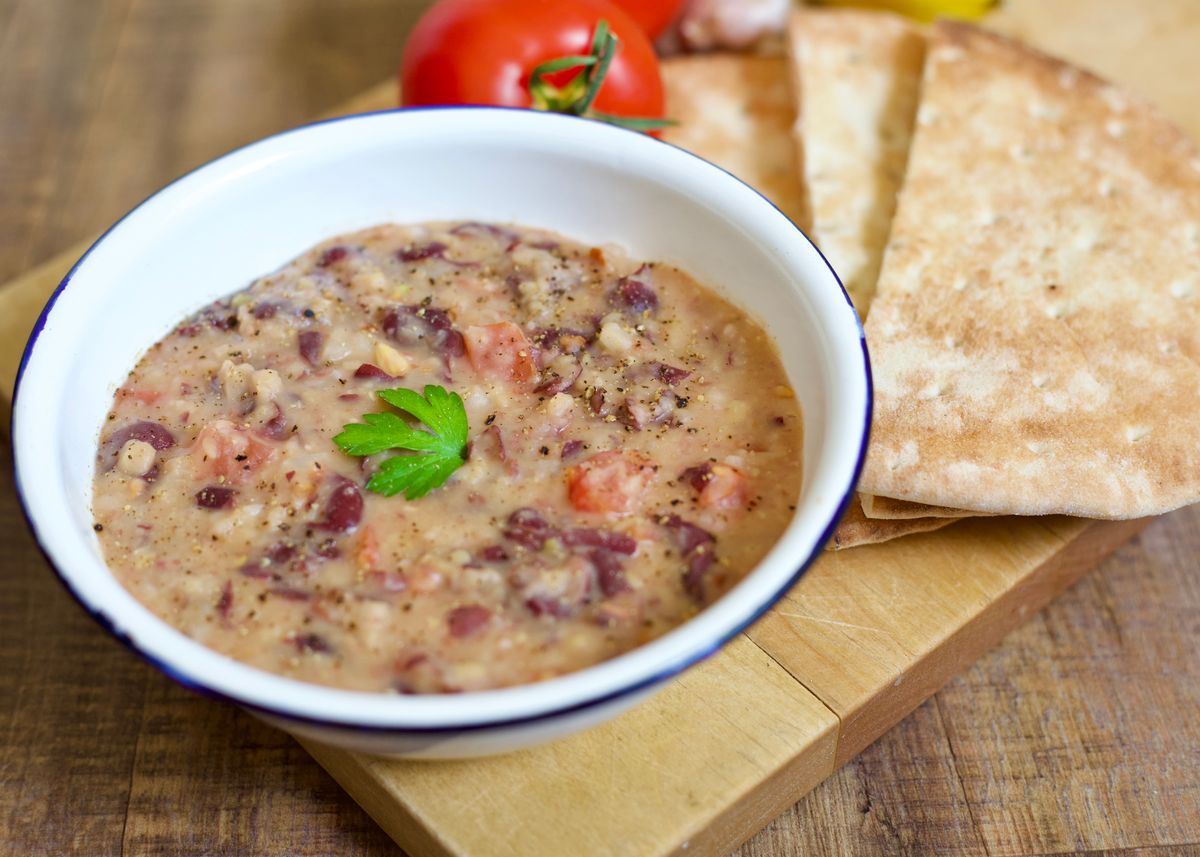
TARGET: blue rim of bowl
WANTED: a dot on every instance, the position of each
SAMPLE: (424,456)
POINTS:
(647,682)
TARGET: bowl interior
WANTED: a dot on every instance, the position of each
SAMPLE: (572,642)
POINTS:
(246,214)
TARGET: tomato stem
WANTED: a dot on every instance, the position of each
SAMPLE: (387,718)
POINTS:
(577,95)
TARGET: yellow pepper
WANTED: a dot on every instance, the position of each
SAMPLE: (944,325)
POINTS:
(923,10)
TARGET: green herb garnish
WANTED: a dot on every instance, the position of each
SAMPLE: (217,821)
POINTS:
(439,451)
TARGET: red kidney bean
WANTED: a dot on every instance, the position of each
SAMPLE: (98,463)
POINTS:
(494,553)
(154,434)
(276,428)
(408,325)
(687,535)
(699,561)
(635,295)
(670,375)
(309,343)
(418,252)
(332,256)
(468,620)
(343,508)
(370,370)
(697,547)
(215,497)
(697,476)
(606,539)
(528,528)
(610,573)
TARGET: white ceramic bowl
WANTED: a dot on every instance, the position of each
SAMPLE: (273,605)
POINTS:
(214,230)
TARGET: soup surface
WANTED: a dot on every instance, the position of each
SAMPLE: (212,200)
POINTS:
(632,451)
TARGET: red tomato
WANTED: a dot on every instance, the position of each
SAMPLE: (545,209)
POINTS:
(724,487)
(612,481)
(501,351)
(222,449)
(483,51)
(654,16)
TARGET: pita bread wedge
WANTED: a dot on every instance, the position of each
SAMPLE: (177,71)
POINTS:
(857,75)
(856,529)
(1036,331)
(737,112)
(887,509)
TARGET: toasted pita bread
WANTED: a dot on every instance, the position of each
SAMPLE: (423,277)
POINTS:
(887,509)
(857,75)
(737,112)
(1036,331)
(856,529)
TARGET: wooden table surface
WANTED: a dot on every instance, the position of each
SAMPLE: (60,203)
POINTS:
(1079,734)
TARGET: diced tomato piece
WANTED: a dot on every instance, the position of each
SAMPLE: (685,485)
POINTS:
(146,397)
(725,487)
(501,351)
(222,449)
(367,555)
(611,481)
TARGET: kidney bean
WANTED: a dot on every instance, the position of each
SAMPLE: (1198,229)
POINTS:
(332,256)
(594,538)
(494,553)
(276,428)
(635,295)
(309,343)
(215,497)
(343,508)
(699,561)
(370,370)
(697,476)
(610,573)
(418,252)
(468,620)
(697,547)
(408,325)
(670,375)
(528,528)
(154,434)
(687,535)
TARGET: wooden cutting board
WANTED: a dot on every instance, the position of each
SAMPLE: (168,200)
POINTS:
(863,639)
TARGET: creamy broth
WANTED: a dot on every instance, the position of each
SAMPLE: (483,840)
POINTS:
(634,451)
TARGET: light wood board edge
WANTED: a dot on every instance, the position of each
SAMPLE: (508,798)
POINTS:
(699,767)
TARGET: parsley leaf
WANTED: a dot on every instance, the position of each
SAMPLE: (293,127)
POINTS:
(440,450)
